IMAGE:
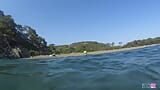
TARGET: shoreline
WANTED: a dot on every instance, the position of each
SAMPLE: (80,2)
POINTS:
(89,53)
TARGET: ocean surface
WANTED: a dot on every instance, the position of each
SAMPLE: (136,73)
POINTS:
(125,70)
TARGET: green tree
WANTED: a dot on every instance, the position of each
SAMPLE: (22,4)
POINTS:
(120,43)
(52,48)
(112,44)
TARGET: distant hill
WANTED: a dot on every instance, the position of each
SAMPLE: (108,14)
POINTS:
(17,41)
(96,46)
(89,46)
(143,42)
(84,46)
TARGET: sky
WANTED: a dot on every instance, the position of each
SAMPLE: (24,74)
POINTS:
(67,21)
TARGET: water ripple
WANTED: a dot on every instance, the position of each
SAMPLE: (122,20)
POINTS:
(125,70)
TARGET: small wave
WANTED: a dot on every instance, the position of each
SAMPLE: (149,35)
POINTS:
(92,72)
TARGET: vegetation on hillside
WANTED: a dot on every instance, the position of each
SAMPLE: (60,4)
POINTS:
(95,46)
(19,41)
(83,46)
(143,42)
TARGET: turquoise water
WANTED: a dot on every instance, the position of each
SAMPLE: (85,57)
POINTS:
(125,70)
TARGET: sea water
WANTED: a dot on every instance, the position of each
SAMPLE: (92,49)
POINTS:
(125,70)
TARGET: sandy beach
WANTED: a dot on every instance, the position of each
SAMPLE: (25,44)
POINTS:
(89,53)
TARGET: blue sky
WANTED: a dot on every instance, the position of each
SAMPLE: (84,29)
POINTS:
(68,21)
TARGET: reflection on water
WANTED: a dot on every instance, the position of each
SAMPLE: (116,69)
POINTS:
(125,70)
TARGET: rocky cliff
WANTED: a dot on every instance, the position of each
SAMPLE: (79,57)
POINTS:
(17,41)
